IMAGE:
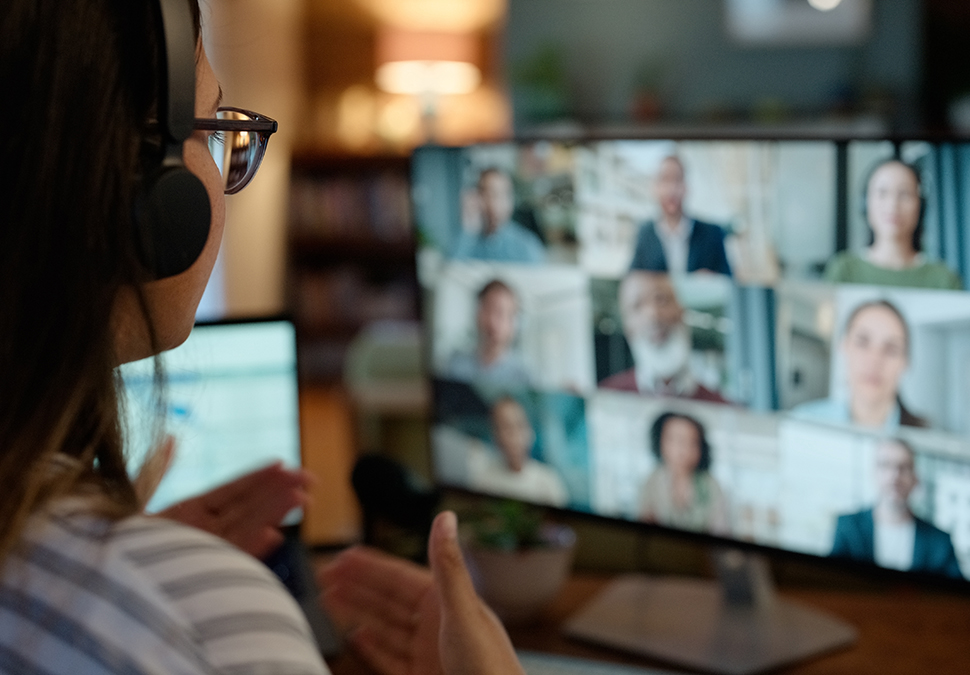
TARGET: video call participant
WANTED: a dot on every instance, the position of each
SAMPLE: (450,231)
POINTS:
(500,238)
(494,361)
(894,206)
(888,534)
(660,341)
(83,82)
(675,243)
(876,348)
(681,492)
(512,472)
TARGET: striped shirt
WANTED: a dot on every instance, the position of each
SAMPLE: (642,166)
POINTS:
(88,596)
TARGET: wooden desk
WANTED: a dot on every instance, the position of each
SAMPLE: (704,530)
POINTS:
(901,631)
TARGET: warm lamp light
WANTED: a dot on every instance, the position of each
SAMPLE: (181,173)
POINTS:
(423,77)
(413,62)
(825,5)
(460,16)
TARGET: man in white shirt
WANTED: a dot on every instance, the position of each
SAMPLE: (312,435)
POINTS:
(889,534)
(675,243)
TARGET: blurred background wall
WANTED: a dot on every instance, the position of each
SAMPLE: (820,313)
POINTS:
(324,233)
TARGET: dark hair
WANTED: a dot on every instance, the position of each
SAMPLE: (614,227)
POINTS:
(883,304)
(496,285)
(656,432)
(906,418)
(918,232)
(80,82)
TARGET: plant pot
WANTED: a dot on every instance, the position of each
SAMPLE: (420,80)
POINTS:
(518,584)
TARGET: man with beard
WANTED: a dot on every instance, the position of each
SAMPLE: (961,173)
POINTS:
(888,534)
(660,341)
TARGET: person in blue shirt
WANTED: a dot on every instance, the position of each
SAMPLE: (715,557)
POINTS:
(494,361)
(500,237)
(888,534)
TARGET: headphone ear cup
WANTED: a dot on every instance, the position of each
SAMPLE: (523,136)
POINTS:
(172,225)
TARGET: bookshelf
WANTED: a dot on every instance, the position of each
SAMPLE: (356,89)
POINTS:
(350,253)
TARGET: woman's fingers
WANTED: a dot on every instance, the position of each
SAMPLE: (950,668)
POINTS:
(472,640)
(354,604)
(270,487)
(247,512)
(369,644)
(451,577)
(394,580)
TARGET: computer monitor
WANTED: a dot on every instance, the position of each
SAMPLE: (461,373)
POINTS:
(762,342)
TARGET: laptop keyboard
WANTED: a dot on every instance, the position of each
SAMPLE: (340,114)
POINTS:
(542,663)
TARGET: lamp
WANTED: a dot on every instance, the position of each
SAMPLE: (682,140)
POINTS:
(459,16)
(427,65)
(420,63)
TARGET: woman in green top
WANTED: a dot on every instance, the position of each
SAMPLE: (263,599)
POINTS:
(894,213)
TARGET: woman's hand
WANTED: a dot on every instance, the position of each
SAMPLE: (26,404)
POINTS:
(404,619)
(248,511)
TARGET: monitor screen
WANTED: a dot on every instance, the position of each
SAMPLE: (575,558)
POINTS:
(230,400)
(764,341)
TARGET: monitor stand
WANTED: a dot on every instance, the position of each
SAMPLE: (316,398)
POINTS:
(735,625)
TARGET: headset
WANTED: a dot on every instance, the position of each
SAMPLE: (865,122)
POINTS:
(173,213)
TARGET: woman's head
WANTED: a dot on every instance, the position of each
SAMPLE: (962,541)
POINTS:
(894,204)
(81,84)
(171,302)
(875,344)
(679,442)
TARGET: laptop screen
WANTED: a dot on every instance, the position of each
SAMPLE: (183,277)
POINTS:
(230,401)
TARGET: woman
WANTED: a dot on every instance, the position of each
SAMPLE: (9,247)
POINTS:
(87,583)
(875,345)
(894,214)
(681,492)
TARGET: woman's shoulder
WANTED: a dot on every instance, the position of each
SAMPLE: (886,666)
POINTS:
(169,597)
(823,409)
(937,274)
(849,267)
(842,267)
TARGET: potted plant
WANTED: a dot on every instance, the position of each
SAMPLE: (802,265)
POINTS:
(518,560)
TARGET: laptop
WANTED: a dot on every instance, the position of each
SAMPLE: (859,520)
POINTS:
(232,403)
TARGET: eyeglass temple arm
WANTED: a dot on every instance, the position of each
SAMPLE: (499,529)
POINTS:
(260,126)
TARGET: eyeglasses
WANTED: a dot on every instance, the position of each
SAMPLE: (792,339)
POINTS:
(239,145)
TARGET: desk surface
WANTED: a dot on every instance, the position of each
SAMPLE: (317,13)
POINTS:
(900,631)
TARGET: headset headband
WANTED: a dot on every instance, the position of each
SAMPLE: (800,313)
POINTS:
(176,106)
(173,214)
